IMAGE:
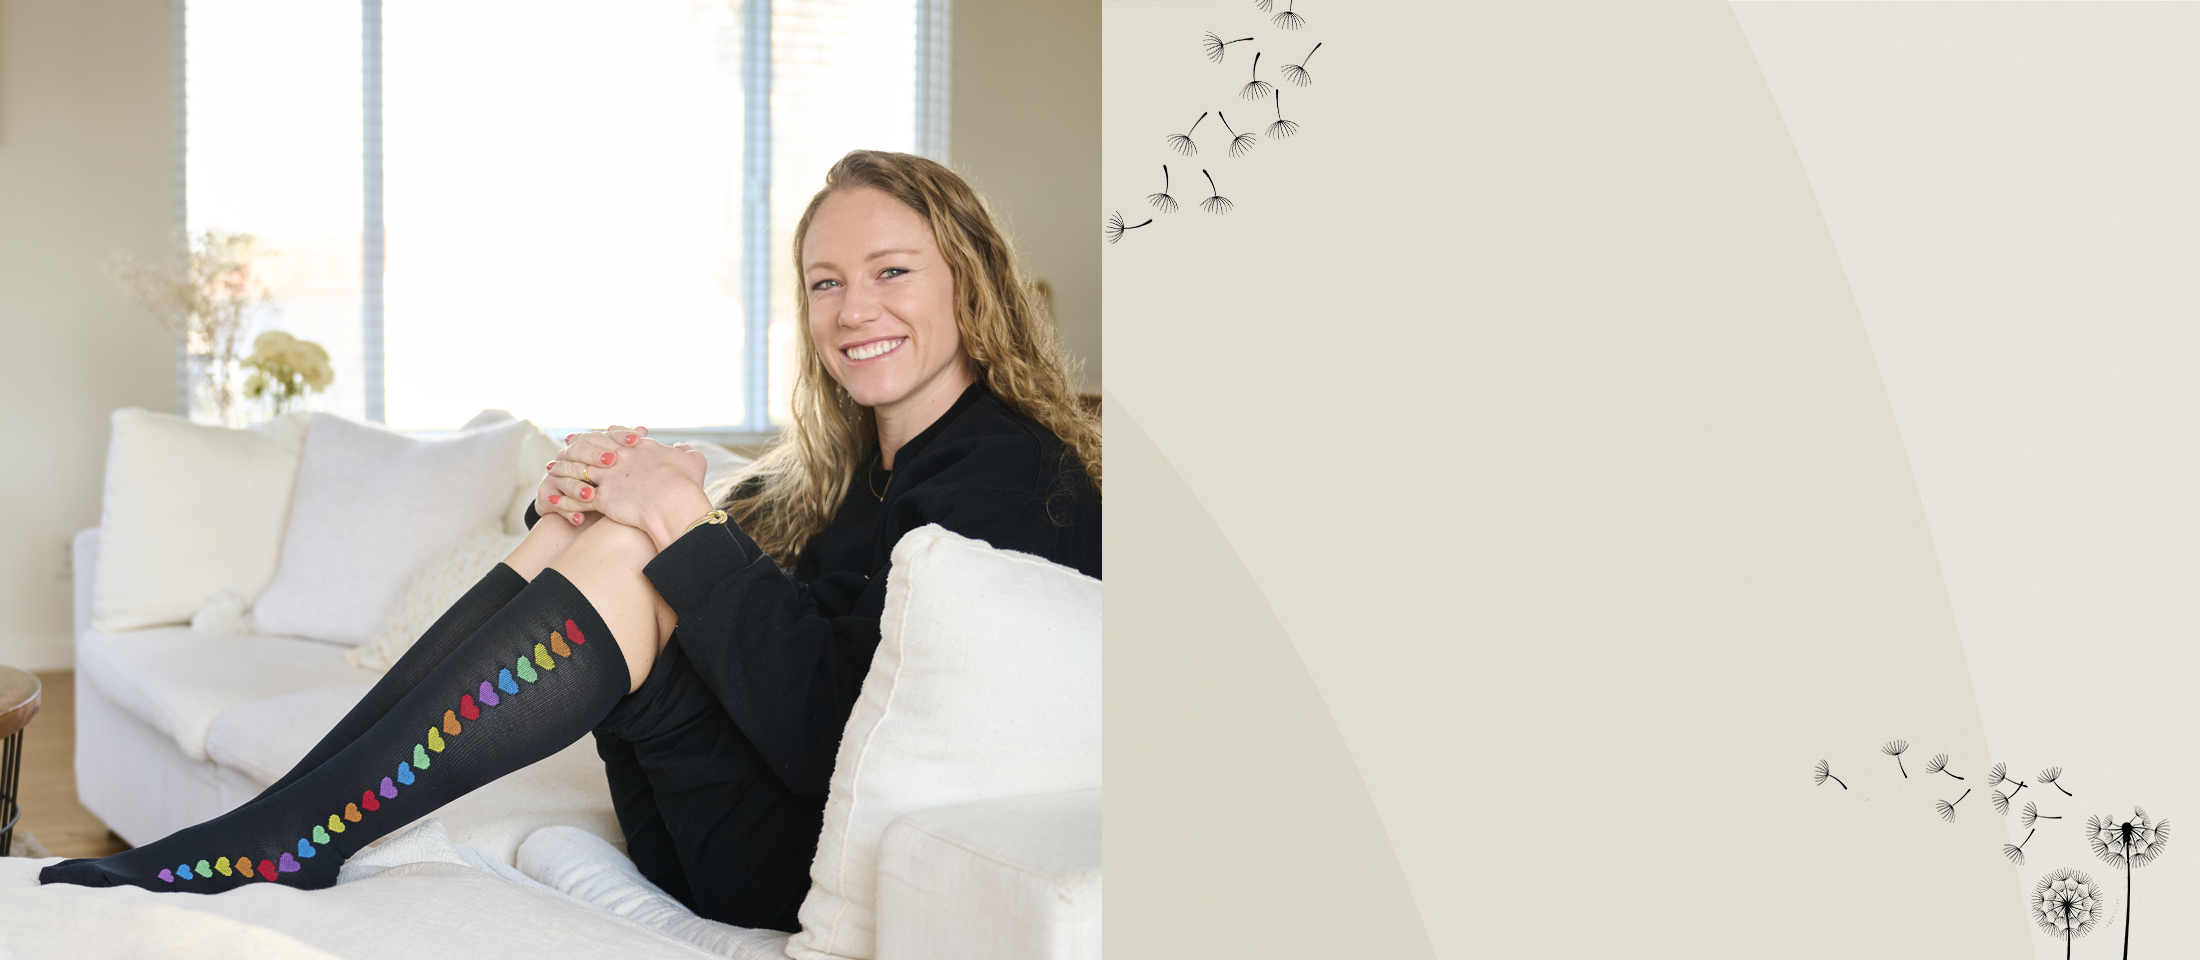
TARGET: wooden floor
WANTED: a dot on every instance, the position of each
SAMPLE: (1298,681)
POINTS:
(50,809)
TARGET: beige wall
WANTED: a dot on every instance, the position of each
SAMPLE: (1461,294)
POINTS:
(86,168)
(1024,127)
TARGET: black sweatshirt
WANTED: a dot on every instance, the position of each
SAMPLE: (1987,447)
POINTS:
(785,655)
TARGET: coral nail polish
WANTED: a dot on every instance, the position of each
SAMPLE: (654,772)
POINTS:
(585,495)
(552,465)
(553,499)
(630,438)
(576,519)
(607,458)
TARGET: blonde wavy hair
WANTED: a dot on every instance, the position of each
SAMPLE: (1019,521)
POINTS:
(791,493)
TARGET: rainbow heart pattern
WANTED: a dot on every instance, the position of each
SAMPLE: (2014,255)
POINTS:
(488,694)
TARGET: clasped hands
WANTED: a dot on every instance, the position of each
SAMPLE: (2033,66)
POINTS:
(621,475)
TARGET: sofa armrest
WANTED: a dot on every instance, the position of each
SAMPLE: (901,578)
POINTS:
(1015,878)
(84,561)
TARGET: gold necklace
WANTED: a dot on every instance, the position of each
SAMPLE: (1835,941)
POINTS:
(868,484)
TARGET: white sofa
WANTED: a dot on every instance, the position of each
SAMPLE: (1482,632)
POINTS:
(176,726)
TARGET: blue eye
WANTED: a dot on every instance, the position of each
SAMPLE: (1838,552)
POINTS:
(891,272)
(822,284)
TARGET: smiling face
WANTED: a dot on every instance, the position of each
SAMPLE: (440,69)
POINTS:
(882,307)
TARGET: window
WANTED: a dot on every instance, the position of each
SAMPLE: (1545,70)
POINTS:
(587,207)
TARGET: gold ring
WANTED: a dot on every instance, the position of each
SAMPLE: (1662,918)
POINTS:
(585,478)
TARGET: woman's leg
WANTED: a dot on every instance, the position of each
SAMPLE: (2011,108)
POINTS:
(541,672)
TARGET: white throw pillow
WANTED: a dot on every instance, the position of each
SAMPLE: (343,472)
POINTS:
(986,684)
(190,513)
(373,506)
(432,589)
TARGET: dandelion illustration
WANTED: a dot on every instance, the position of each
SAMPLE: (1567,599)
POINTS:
(1216,203)
(1281,128)
(1217,47)
(1288,20)
(1182,142)
(2127,846)
(1162,201)
(2050,776)
(1947,809)
(2001,800)
(1265,5)
(1296,72)
(1939,764)
(2000,774)
(1822,773)
(2015,851)
(2031,814)
(1240,143)
(1116,227)
(1894,748)
(1258,88)
(2067,904)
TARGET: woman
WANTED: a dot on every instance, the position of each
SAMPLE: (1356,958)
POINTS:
(715,683)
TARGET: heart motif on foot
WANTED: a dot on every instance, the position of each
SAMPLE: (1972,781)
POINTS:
(305,850)
(320,836)
(222,866)
(267,867)
(183,871)
(573,630)
(351,810)
(420,757)
(557,645)
(368,803)
(166,876)
(389,790)
(488,696)
(287,865)
(504,682)
(542,658)
(335,823)
(202,870)
(404,773)
(450,723)
(526,670)
(467,709)
(244,866)
(435,740)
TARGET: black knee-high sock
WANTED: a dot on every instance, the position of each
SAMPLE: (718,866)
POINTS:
(539,675)
(471,611)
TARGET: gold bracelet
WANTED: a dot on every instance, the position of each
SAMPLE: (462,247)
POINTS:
(715,516)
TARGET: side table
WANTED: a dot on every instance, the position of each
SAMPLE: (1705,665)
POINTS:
(18,704)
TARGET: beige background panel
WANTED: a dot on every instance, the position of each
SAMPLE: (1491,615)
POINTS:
(2011,190)
(87,167)
(1526,384)
(1223,750)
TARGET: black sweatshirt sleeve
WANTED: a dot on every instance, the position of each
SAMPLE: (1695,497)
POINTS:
(788,660)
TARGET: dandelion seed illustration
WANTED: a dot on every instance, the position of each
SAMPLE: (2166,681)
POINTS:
(1217,47)
(1296,72)
(1116,227)
(1288,20)
(1216,203)
(2067,904)
(2015,851)
(2051,776)
(1281,128)
(2001,800)
(1939,764)
(2127,846)
(1258,88)
(1240,143)
(1947,809)
(1265,5)
(1822,773)
(2031,814)
(1162,201)
(1182,142)
(1894,748)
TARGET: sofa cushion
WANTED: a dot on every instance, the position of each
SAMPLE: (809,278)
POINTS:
(372,506)
(986,684)
(1013,879)
(264,738)
(178,681)
(191,512)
